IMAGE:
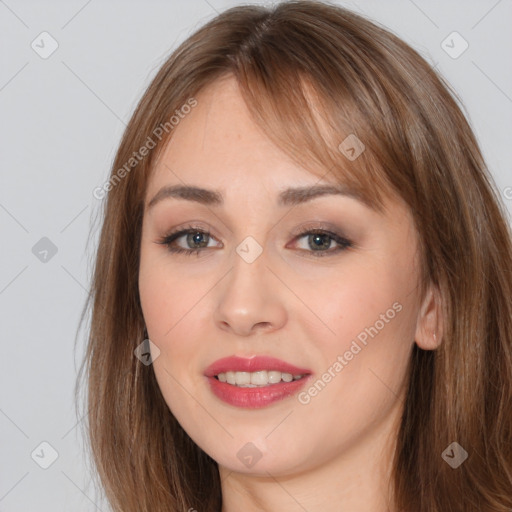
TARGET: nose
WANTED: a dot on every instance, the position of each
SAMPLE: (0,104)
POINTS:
(250,299)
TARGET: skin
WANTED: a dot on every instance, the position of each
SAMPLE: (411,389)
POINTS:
(333,453)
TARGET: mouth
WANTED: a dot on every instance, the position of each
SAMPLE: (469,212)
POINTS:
(255,382)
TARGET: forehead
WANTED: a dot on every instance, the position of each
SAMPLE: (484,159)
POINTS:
(218,143)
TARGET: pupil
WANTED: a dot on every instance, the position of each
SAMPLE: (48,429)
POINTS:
(321,240)
(195,238)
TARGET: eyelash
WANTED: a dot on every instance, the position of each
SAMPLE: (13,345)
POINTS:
(343,243)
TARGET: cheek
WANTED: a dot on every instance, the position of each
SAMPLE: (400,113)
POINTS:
(368,318)
(343,304)
(166,295)
(175,318)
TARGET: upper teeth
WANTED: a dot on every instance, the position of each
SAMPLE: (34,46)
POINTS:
(253,379)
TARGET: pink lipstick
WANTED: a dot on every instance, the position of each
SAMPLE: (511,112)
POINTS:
(255,382)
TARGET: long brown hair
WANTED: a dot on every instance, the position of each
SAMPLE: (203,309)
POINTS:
(312,75)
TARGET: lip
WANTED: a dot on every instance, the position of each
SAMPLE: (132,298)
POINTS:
(258,397)
(253,364)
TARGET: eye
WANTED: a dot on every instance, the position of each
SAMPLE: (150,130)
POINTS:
(320,242)
(196,238)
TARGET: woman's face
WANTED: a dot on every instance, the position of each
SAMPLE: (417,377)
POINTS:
(343,308)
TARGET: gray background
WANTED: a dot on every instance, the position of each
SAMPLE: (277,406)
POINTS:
(62,118)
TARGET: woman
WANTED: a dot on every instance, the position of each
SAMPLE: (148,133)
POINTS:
(302,298)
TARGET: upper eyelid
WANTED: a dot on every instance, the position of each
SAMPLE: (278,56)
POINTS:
(303,228)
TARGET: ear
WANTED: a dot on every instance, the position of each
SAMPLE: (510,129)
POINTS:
(430,324)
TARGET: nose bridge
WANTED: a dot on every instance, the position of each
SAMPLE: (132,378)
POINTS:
(250,263)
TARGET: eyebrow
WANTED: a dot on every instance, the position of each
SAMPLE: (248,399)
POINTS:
(288,197)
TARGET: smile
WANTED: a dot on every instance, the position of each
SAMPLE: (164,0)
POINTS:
(254,382)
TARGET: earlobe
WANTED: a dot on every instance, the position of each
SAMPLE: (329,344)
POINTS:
(429,327)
